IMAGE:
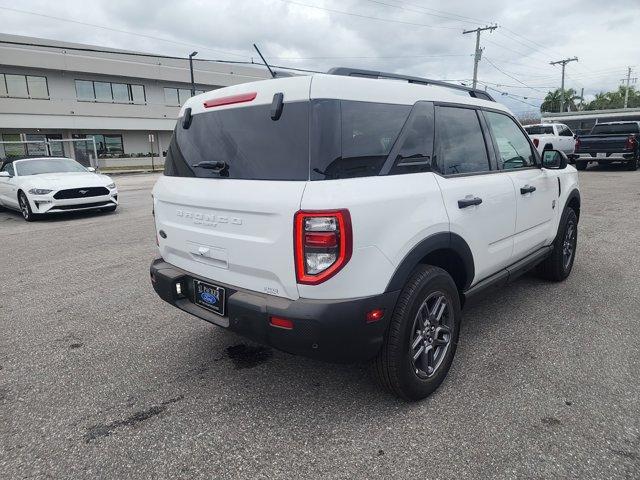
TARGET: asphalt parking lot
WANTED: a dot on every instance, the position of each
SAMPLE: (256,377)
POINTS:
(99,378)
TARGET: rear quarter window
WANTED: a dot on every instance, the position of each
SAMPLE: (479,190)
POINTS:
(621,128)
(353,139)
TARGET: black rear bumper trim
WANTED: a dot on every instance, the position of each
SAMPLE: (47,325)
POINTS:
(331,330)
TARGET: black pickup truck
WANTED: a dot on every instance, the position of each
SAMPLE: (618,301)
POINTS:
(608,143)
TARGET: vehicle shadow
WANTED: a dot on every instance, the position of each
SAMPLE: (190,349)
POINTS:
(606,167)
(259,377)
(55,217)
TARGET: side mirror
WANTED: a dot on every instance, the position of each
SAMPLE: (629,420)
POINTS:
(91,169)
(554,159)
(5,175)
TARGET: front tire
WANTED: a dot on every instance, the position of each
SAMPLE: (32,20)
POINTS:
(25,208)
(557,267)
(581,165)
(422,336)
(632,165)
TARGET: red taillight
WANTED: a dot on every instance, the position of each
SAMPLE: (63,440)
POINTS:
(577,143)
(323,243)
(632,141)
(280,322)
(241,98)
(536,142)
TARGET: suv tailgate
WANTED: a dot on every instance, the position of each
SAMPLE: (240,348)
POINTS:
(236,232)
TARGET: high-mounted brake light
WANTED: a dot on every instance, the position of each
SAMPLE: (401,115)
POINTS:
(323,242)
(241,98)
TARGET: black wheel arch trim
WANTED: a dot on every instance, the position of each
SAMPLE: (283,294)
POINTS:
(439,241)
(574,194)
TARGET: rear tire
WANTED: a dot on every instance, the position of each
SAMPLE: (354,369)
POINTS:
(25,208)
(581,165)
(557,267)
(422,336)
(632,165)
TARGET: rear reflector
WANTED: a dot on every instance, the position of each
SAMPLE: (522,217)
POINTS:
(280,322)
(375,315)
(241,98)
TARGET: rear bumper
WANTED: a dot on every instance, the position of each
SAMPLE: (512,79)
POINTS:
(331,330)
(611,157)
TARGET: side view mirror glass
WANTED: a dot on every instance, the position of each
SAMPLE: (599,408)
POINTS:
(91,169)
(5,175)
(554,159)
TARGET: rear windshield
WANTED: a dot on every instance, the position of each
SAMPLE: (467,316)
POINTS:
(621,128)
(317,140)
(539,130)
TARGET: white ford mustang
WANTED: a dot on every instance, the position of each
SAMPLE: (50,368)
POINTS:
(36,186)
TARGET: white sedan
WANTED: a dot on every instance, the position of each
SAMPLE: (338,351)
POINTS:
(36,186)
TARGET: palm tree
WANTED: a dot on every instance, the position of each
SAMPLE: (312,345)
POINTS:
(553,100)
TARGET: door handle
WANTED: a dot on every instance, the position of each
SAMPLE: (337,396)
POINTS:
(469,201)
(527,189)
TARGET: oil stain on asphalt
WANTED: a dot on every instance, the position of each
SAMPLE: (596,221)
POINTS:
(101,430)
(246,356)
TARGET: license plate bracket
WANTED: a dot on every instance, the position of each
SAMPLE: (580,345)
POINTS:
(209,296)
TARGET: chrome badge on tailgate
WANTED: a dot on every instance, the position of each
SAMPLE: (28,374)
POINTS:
(208,219)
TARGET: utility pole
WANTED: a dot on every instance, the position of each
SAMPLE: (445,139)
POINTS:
(581,97)
(626,90)
(478,54)
(564,64)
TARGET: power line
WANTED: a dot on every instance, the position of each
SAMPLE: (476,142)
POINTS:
(373,57)
(137,34)
(511,76)
(358,15)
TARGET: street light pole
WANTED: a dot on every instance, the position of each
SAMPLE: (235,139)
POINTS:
(193,83)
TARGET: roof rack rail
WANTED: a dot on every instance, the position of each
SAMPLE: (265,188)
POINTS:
(354,72)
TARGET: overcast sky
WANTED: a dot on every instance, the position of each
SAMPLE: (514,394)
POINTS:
(418,37)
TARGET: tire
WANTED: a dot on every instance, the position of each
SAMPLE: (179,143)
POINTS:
(400,368)
(25,208)
(581,165)
(557,267)
(632,165)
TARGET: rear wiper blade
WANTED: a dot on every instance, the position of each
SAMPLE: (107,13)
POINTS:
(209,165)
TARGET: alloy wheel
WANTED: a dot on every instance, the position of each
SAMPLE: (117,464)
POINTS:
(24,208)
(569,244)
(431,334)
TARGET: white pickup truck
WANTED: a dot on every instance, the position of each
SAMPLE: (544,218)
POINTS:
(552,136)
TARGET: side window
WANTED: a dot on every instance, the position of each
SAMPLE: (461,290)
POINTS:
(459,142)
(413,154)
(9,168)
(352,139)
(565,131)
(513,146)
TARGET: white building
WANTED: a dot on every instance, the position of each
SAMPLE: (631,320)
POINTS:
(52,90)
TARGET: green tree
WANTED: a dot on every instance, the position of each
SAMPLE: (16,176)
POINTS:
(614,99)
(553,100)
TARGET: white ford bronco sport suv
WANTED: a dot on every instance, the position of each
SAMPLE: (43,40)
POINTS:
(348,217)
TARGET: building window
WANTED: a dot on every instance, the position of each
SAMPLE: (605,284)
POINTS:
(106,144)
(38,87)
(177,96)
(90,91)
(23,86)
(13,149)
